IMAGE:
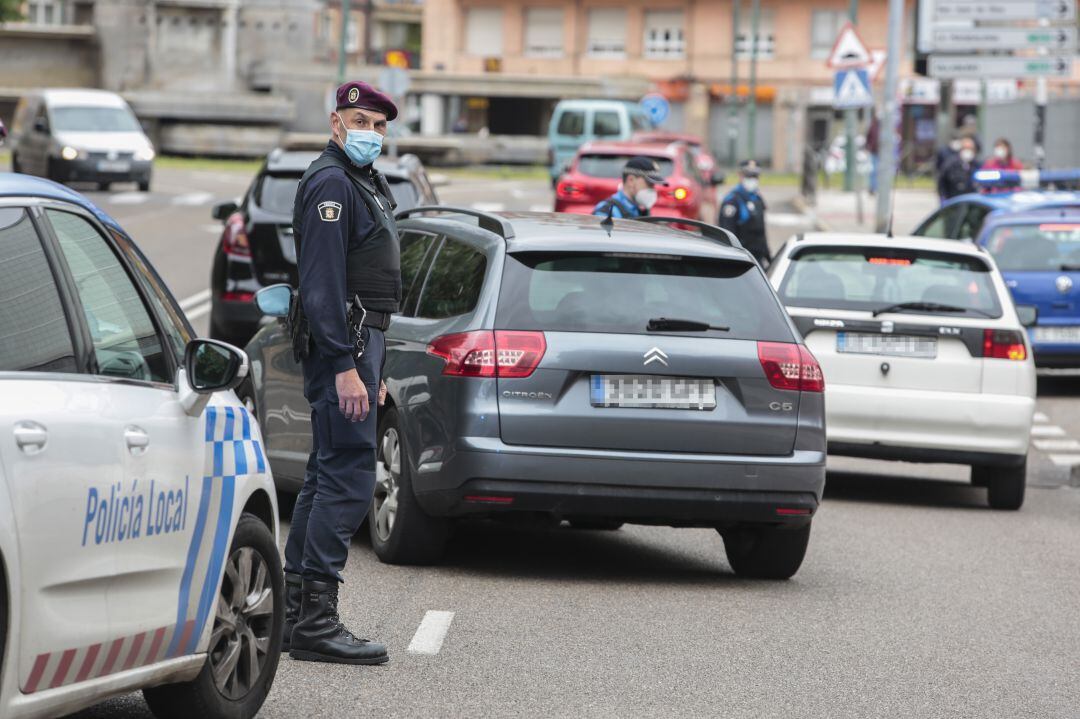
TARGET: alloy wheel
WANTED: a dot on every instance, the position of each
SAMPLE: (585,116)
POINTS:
(387,481)
(243,623)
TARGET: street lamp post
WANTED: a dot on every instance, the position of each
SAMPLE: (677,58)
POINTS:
(733,96)
(849,122)
(755,20)
(887,133)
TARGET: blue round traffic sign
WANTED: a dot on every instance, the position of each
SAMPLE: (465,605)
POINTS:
(656,107)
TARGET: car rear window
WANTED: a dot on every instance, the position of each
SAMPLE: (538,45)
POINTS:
(277,192)
(611,166)
(1044,247)
(405,196)
(620,292)
(873,278)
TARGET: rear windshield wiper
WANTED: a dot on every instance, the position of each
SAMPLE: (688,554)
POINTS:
(661,324)
(927,307)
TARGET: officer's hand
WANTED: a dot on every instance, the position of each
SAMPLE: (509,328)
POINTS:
(382,393)
(352,395)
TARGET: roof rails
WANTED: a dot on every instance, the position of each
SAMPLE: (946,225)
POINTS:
(711,232)
(487,221)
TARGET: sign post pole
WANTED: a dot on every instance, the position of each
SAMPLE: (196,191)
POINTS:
(1040,122)
(887,143)
(849,122)
(733,96)
(755,21)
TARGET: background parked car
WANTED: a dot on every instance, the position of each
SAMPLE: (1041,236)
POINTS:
(575,122)
(256,247)
(706,163)
(558,425)
(80,136)
(596,172)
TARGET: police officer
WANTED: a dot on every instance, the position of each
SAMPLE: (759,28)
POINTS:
(350,283)
(743,212)
(637,193)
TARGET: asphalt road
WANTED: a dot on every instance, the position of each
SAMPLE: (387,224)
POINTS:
(915,599)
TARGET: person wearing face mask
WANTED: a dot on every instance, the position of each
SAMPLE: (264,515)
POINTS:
(743,212)
(637,193)
(1002,158)
(957,177)
(350,284)
(944,154)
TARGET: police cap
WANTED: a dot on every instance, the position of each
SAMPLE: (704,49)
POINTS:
(646,167)
(749,168)
(365,97)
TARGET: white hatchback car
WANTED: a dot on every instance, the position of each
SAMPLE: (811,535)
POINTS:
(925,356)
(138,519)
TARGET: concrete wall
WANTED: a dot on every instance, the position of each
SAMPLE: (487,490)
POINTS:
(54,59)
(1016,122)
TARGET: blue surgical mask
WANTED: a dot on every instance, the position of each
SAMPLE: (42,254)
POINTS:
(362,146)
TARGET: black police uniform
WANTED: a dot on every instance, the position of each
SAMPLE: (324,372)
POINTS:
(347,247)
(743,213)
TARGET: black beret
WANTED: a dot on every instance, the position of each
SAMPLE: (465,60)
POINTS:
(365,97)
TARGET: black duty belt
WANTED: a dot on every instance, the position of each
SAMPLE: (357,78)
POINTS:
(378,320)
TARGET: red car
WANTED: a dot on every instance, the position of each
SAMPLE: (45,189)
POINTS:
(705,161)
(596,172)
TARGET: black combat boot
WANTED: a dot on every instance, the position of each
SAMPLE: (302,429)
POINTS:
(293,584)
(319,636)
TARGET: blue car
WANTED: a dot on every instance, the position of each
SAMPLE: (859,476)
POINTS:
(1034,236)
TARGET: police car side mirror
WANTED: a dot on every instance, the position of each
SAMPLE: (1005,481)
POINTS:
(1028,314)
(222,210)
(209,366)
(273,301)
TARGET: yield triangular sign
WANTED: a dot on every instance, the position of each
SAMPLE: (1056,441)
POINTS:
(849,50)
(877,63)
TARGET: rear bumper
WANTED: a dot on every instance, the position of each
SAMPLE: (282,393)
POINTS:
(899,424)
(1056,355)
(486,476)
(87,171)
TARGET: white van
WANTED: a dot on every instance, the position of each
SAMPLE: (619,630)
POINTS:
(576,122)
(80,136)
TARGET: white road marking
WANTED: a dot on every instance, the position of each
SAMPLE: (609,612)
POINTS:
(489,206)
(787,219)
(196,312)
(1065,460)
(1057,445)
(1047,430)
(193,199)
(541,208)
(196,299)
(1040,417)
(431,632)
(129,198)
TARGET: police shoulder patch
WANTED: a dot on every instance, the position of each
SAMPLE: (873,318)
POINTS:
(729,210)
(330,211)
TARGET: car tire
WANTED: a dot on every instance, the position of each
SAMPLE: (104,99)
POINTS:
(1005,486)
(236,696)
(605,525)
(766,552)
(144,186)
(401,532)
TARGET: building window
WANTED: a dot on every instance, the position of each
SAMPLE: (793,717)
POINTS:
(352,34)
(45,12)
(483,31)
(607,33)
(824,27)
(543,32)
(664,35)
(766,40)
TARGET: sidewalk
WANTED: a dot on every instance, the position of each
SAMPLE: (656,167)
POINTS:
(835,211)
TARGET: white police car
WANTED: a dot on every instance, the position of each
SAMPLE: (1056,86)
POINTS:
(924,354)
(138,519)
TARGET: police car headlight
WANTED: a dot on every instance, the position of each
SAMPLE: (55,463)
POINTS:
(145,155)
(69,153)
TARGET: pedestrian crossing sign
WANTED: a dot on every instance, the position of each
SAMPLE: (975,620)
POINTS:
(851,89)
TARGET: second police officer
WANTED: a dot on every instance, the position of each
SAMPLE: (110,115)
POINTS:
(743,212)
(350,283)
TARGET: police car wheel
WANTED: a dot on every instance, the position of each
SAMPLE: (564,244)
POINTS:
(766,552)
(401,532)
(245,640)
(1004,485)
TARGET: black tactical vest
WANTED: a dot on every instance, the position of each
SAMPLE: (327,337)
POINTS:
(373,262)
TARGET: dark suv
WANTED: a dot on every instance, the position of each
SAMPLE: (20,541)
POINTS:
(256,247)
(595,371)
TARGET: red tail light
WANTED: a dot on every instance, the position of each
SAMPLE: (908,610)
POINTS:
(238,296)
(569,191)
(235,239)
(1004,344)
(483,353)
(790,366)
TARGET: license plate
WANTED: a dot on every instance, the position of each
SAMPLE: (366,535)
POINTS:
(1056,334)
(864,343)
(113,166)
(650,392)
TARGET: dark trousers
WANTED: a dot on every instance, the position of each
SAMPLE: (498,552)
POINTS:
(340,476)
